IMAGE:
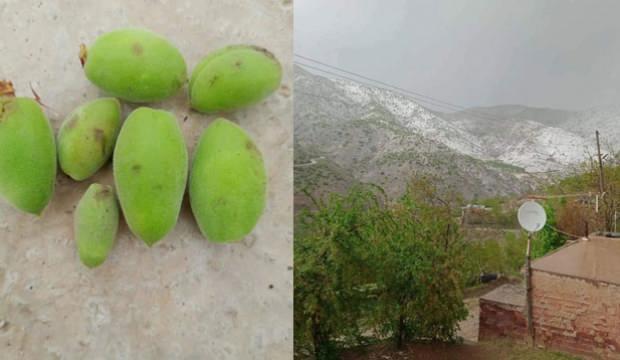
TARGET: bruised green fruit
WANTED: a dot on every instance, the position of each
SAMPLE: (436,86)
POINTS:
(27,154)
(87,136)
(227,182)
(150,172)
(95,224)
(234,77)
(135,65)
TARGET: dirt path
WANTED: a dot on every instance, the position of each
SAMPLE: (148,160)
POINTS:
(469,327)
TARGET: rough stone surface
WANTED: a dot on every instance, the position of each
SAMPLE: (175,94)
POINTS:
(569,314)
(185,298)
(502,313)
(576,315)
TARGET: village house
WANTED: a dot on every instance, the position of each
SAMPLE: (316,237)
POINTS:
(575,301)
(475,214)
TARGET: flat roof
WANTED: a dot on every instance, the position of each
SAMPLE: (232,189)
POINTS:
(595,259)
(512,294)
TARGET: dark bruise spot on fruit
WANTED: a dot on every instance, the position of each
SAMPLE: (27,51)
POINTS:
(249,145)
(264,51)
(72,123)
(136,167)
(238,64)
(6,107)
(2,110)
(99,134)
(100,137)
(103,194)
(137,49)
(213,80)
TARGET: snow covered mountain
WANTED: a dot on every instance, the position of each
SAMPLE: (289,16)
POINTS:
(372,134)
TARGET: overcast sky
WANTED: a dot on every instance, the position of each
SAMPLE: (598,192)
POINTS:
(547,53)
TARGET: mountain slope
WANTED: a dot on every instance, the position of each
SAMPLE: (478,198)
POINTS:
(371,134)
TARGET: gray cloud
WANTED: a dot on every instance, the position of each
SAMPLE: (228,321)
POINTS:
(547,53)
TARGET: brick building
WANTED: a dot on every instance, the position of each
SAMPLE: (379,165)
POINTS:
(575,301)
(504,314)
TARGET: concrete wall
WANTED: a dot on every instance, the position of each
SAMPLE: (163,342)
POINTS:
(575,315)
(501,320)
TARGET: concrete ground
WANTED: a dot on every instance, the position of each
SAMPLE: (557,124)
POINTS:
(185,298)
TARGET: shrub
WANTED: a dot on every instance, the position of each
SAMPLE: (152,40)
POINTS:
(329,267)
(363,264)
(548,238)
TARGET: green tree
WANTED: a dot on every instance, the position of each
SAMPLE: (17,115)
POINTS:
(362,263)
(548,238)
(330,257)
(418,262)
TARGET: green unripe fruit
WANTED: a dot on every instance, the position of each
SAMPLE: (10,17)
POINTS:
(135,65)
(27,155)
(227,182)
(96,224)
(150,172)
(87,137)
(234,77)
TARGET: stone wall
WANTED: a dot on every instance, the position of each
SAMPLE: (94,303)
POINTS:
(501,320)
(576,315)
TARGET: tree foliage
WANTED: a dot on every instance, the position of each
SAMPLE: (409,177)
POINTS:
(548,238)
(576,212)
(499,255)
(329,268)
(365,265)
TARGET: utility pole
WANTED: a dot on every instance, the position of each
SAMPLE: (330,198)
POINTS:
(601,185)
(601,180)
(528,289)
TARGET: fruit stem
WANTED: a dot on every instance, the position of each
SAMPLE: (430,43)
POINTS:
(6,88)
(83,54)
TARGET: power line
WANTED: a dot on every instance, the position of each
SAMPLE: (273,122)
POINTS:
(331,99)
(562,232)
(417,97)
(410,97)
(375,80)
(559,196)
(414,98)
(448,124)
(430,98)
(375,86)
